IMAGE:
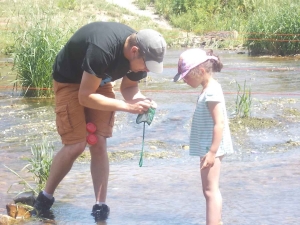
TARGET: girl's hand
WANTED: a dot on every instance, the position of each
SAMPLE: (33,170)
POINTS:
(208,160)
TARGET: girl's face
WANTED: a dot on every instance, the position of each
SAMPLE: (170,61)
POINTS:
(194,80)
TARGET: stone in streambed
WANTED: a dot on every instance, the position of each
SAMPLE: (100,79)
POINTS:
(7,220)
(18,211)
(26,198)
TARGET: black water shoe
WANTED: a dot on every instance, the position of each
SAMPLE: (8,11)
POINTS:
(100,212)
(42,207)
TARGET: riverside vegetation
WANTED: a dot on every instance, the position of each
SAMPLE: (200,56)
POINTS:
(264,26)
(34,31)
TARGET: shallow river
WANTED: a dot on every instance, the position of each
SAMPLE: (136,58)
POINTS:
(259,183)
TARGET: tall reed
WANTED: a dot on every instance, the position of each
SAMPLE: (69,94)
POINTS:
(38,166)
(274,30)
(37,42)
(243,100)
(40,163)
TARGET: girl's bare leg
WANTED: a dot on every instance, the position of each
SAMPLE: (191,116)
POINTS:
(210,186)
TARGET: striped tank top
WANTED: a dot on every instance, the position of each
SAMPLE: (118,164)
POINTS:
(203,124)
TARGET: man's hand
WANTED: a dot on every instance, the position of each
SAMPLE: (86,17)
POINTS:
(153,104)
(137,103)
(140,106)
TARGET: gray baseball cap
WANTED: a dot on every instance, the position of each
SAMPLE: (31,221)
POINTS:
(153,48)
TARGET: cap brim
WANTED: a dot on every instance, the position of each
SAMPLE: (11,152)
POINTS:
(177,77)
(154,67)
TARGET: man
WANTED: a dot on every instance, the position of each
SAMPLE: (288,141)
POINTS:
(97,54)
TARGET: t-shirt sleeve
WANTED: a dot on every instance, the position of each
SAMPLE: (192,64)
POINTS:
(96,61)
(136,76)
(214,94)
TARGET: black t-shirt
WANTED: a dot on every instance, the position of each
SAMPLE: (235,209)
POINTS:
(96,48)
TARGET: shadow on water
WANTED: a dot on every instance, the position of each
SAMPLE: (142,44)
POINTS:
(259,183)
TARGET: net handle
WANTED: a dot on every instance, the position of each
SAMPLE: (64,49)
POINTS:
(142,152)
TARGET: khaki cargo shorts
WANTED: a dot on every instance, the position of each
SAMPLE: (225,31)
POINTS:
(71,117)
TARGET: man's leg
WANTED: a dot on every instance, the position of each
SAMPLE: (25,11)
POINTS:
(71,126)
(100,173)
(104,121)
(62,164)
(100,168)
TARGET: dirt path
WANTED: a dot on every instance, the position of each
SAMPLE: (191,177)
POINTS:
(149,11)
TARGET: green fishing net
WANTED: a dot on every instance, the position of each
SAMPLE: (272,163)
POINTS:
(146,117)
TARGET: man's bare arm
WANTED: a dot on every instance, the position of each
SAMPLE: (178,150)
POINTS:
(89,98)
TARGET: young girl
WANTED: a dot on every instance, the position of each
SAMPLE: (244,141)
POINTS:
(210,136)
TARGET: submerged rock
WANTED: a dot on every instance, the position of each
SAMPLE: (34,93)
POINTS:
(18,211)
(7,220)
(185,147)
(26,198)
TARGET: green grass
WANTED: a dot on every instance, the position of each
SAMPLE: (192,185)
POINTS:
(243,100)
(274,30)
(34,54)
(40,163)
(142,4)
(205,15)
(37,41)
(38,167)
(67,4)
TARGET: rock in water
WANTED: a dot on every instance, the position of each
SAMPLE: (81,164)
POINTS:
(17,211)
(26,198)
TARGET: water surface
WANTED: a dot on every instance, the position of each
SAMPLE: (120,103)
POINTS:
(259,183)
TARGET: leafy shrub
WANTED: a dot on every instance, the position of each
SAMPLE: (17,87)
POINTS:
(204,15)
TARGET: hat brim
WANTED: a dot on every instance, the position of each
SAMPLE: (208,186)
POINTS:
(154,67)
(177,77)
